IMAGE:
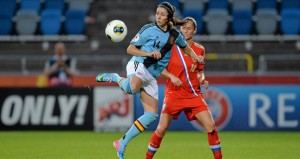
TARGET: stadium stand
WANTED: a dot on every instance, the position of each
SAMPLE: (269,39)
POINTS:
(266,32)
(34,5)
(241,21)
(217,21)
(266,4)
(26,22)
(74,22)
(79,5)
(50,23)
(218,4)
(55,4)
(290,21)
(6,23)
(266,21)
(8,6)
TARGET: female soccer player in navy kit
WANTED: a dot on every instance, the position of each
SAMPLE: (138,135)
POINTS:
(151,50)
(183,94)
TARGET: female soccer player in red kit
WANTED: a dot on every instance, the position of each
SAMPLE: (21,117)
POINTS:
(183,94)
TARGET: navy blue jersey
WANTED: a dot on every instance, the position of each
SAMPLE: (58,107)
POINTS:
(151,37)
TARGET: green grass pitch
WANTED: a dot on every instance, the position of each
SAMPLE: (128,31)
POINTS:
(176,145)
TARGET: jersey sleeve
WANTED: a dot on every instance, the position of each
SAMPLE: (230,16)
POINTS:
(140,38)
(180,41)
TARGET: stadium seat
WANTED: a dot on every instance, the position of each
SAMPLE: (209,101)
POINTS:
(83,5)
(193,4)
(26,22)
(217,21)
(291,4)
(75,22)
(175,3)
(266,4)
(50,23)
(8,7)
(218,4)
(241,4)
(290,21)
(55,4)
(266,21)
(197,14)
(241,22)
(34,5)
(6,23)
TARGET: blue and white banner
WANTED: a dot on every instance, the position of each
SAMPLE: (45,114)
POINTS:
(243,107)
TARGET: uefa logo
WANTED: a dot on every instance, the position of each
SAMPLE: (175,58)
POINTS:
(220,107)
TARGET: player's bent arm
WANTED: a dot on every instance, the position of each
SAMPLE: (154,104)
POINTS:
(175,80)
(201,76)
(202,80)
(133,50)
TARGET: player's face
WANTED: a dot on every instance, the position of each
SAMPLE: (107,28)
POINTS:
(188,29)
(161,16)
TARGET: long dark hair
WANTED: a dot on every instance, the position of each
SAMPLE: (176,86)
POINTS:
(173,21)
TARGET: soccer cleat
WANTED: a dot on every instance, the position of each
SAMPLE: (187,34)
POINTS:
(108,77)
(120,151)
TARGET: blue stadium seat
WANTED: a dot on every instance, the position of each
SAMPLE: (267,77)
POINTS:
(193,4)
(26,22)
(218,4)
(8,7)
(6,23)
(197,15)
(266,21)
(75,22)
(266,4)
(34,5)
(79,5)
(241,22)
(295,4)
(242,4)
(175,3)
(55,4)
(50,23)
(290,21)
(217,21)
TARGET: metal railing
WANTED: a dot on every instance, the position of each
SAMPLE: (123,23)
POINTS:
(264,60)
(86,64)
(242,56)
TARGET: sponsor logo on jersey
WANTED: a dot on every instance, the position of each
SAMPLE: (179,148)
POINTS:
(136,38)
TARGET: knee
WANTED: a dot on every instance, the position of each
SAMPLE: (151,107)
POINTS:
(134,89)
(210,127)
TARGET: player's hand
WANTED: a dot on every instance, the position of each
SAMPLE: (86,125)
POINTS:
(205,83)
(176,81)
(199,59)
(155,54)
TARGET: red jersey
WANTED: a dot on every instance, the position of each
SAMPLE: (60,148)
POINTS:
(183,67)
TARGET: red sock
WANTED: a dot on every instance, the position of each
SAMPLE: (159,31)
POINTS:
(154,144)
(215,144)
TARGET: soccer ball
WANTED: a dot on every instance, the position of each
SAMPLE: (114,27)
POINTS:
(116,30)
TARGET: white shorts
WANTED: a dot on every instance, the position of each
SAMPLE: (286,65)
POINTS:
(149,84)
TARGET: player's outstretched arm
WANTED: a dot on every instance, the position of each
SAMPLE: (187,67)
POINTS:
(193,55)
